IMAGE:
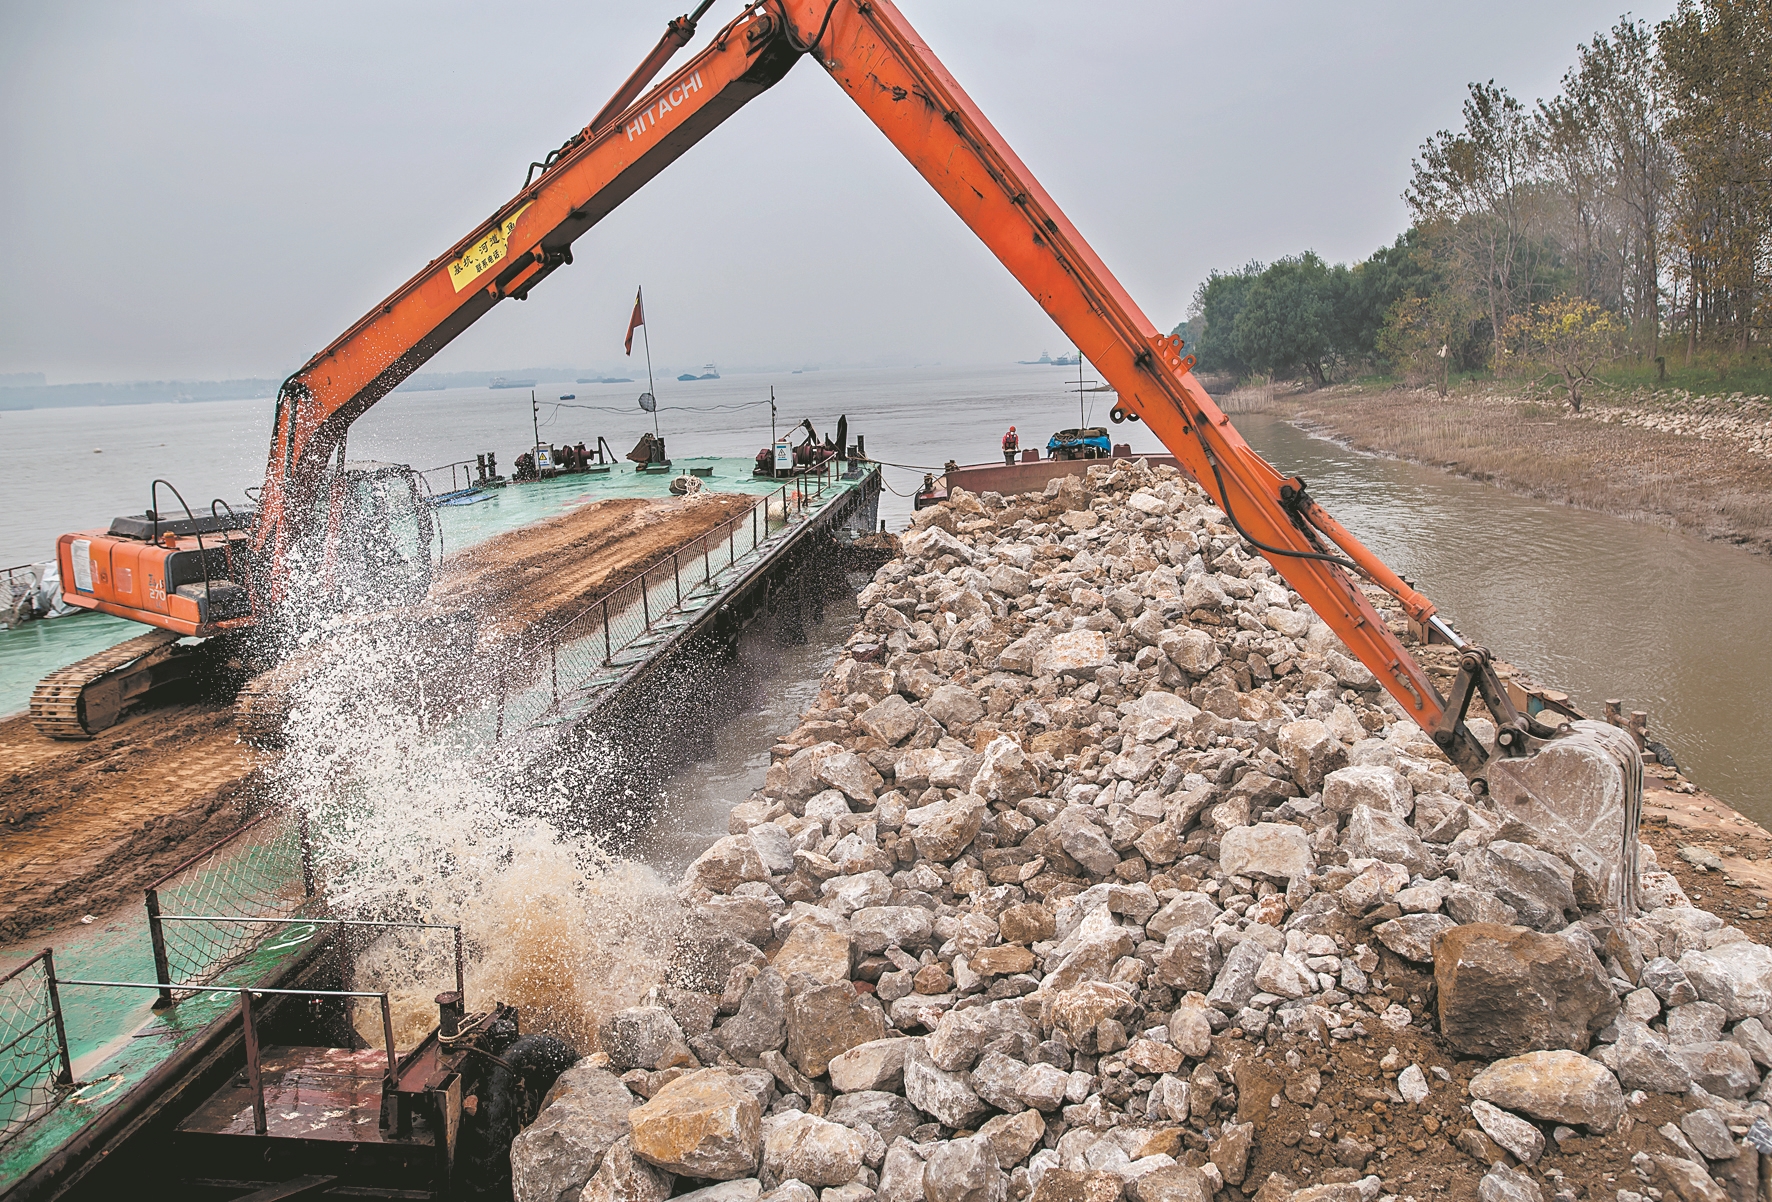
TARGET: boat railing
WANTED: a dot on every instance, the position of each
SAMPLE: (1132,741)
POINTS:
(35,1070)
(466,476)
(591,639)
(249,1026)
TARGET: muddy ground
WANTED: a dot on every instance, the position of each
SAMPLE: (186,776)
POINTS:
(84,826)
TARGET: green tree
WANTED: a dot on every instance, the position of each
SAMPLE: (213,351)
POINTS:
(1474,192)
(1569,337)
(1213,317)
(1287,320)
(1365,293)
(1715,71)
(1425,337)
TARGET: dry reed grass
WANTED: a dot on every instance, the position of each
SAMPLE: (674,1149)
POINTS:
(1706,487)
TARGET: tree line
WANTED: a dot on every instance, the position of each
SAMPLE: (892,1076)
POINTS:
(1631,214)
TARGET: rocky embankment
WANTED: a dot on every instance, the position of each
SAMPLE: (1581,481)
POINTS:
(1098,872)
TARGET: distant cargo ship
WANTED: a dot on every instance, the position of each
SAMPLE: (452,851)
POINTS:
(501,382)
(605,380)
(710,372)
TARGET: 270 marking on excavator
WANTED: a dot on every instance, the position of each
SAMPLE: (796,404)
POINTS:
(670,100)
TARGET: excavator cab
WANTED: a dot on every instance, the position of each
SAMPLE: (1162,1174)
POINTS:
(379,530)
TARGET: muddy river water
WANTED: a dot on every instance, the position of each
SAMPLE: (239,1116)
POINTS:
(1586,602)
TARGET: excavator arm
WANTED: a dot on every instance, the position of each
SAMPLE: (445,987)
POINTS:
(874,55)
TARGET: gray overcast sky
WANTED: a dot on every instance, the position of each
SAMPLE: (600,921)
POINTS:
(206,189)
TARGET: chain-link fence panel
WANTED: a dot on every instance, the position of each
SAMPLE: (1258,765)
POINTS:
(262,870)
(34,1071)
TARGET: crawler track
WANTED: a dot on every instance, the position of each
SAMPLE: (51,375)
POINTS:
(57,707)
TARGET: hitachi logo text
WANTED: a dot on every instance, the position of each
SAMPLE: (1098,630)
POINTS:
(670,100)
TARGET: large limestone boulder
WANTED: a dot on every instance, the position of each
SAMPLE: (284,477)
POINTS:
(1412,936)
(1084,841)
(1538,885)
(1553,1087)
(1006,773)
(811,1150)
(1277,850)
(1722,1067)
(1193,651)
(1736,976)
(624,1177)
(945,1096)
(1374,834)
(876,928)
(1577,793)
(553,1157)
(729,863)
(761,1024)
(954,705)
(1311,751)
(1074,653)
(703,1124)
(891,720)
(819,950)
(1505,990)
(875,1065)
(1373,785)
(644,1037)
(1089,952)
(947,828)
(886,1113)
(964,1170)
(1642,1060)
(827,1021)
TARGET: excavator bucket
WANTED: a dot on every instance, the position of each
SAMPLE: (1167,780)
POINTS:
(1581,797)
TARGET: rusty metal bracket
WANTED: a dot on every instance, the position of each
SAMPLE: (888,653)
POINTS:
(1517,734)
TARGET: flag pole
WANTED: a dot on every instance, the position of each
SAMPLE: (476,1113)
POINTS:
(647,335)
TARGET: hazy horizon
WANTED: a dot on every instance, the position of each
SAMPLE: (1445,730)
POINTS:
(204,193)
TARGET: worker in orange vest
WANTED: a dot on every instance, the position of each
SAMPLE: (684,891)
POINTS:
(1011,447)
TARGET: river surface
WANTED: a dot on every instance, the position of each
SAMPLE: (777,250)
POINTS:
(1585,602)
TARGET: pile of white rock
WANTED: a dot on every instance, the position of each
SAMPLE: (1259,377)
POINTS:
(1092,809)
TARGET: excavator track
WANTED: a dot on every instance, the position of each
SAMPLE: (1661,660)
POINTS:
(64,704)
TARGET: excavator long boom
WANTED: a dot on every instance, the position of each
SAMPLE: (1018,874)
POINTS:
(870,51)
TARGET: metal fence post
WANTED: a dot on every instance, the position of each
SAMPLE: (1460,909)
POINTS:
(645,602)
(707,567)
(66,1076)
(157,937)
(307,852)
(460,981)
(753,527)
(387,1030)
(677,575)
(254,1081)
(608,651)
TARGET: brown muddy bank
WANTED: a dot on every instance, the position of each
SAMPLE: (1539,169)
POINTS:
(1699,465)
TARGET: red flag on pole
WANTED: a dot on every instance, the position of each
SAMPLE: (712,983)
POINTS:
(634,323)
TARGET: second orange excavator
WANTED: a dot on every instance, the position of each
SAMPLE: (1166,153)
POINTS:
(313,503)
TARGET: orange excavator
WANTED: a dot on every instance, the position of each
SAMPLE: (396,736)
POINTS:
(161,576)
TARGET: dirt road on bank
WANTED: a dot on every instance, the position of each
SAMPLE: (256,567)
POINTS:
(85,826)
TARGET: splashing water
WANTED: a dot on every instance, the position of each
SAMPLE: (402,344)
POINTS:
(413,821)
